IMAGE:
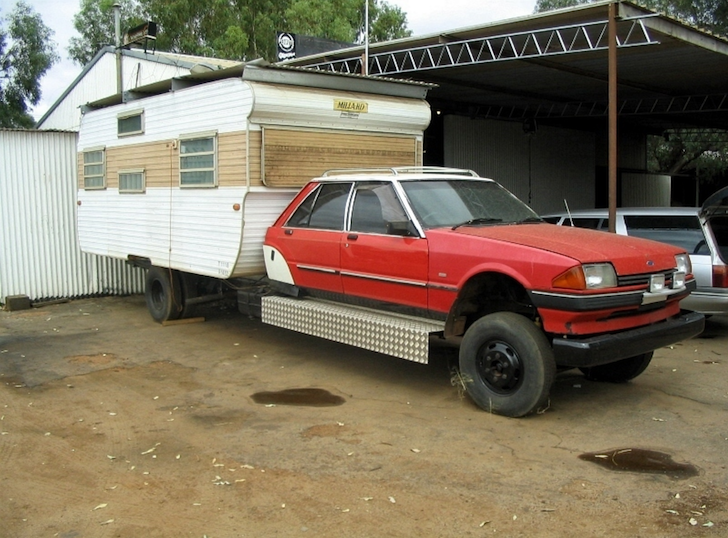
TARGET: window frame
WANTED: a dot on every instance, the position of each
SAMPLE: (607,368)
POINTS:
(139,171)
(213,135)
(102,163)
(315,210)
(127,115)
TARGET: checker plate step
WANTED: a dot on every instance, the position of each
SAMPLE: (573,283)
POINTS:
(406,337)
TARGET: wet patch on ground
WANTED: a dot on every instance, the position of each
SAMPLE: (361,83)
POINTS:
(299,397)
(640,460)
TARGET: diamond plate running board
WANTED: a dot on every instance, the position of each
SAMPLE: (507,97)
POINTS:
(406,337)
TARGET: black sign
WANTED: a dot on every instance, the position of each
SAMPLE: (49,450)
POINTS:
(286,46)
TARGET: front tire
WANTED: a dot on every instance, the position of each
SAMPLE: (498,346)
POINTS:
(507,364)
(163,294)
(619,371)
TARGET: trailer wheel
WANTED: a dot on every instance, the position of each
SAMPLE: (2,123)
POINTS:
(507,364)
(619,371)
(163,294)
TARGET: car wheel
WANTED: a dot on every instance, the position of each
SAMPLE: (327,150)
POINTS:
(507,364)
(619,371)
(163,294)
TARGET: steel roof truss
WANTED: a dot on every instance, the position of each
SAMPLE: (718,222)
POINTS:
(517,46)
(691,104)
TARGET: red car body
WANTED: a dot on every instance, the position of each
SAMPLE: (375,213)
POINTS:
(464,270)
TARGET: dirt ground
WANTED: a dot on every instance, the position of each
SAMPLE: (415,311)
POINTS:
(115,426)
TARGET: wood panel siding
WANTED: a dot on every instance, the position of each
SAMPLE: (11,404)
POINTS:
(160,162)
(292,157)
(254,155)
(231,159)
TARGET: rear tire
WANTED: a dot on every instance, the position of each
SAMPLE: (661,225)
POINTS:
(163,294)
(619,371)
(507,364)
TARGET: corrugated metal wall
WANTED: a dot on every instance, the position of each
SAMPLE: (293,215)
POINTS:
(646,190)
(541,168)
(39,253)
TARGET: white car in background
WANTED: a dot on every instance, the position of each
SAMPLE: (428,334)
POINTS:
(702,231)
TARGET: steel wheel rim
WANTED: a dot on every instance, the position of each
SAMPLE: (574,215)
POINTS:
(499,367)
(157,294)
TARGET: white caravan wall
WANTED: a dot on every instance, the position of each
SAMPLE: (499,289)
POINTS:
(39,252)
(542,168)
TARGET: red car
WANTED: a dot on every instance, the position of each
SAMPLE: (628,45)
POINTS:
(526,297)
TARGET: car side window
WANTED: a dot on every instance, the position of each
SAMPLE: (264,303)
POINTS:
(682,231)
(585,222)
(324,208)
(377,209)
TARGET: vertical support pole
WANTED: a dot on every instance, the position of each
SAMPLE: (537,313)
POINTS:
(365,67)
(117,36)
(612,166)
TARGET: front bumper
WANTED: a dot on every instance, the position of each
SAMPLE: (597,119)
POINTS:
(708,301)
(606,348)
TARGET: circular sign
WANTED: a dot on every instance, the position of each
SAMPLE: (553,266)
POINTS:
(286,43)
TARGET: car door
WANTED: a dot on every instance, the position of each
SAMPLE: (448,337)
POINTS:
(382,256)
(313,237)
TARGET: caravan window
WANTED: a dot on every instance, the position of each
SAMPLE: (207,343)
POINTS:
(130,123)
(197,158)
(94,169)
(132,181)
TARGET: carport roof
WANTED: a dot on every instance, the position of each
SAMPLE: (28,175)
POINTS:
(553,67)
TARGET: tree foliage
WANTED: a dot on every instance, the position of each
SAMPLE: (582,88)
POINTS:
(26,53)
(95,24)
(234,29)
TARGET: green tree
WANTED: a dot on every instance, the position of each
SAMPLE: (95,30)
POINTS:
(95,24)
(343,20)
(233,29)
(387,22)
(26,53)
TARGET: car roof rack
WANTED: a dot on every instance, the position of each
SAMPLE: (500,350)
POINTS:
(397,170)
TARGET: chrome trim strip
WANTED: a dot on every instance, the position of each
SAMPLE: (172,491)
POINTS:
(317,269)
(443,287)
(418,284)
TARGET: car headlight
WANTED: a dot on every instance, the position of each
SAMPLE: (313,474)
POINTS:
(591,276)
(682,262)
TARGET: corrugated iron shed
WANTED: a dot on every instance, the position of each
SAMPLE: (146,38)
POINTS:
(39,253)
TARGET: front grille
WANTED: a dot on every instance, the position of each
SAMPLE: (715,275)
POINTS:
(643,280)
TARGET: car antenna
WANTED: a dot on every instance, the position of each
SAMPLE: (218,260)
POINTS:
(568,212)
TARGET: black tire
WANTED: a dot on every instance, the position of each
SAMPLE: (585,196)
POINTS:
(163,294)
(619,371)
(507,364)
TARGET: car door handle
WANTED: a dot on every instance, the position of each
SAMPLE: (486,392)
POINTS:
(352,237)
(288,232)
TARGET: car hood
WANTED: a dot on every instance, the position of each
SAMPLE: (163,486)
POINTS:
(716,203)
(628,254)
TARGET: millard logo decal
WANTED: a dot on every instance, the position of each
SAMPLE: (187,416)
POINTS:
(346,105)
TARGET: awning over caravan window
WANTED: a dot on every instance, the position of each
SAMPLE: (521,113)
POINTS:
(292,157)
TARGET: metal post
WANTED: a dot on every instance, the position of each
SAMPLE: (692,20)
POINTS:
(612,166)
(365,67)
(117,35)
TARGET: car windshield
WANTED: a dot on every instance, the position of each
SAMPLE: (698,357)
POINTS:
(465,202)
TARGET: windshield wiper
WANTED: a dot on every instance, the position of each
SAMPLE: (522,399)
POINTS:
(479,220)
(530,220)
